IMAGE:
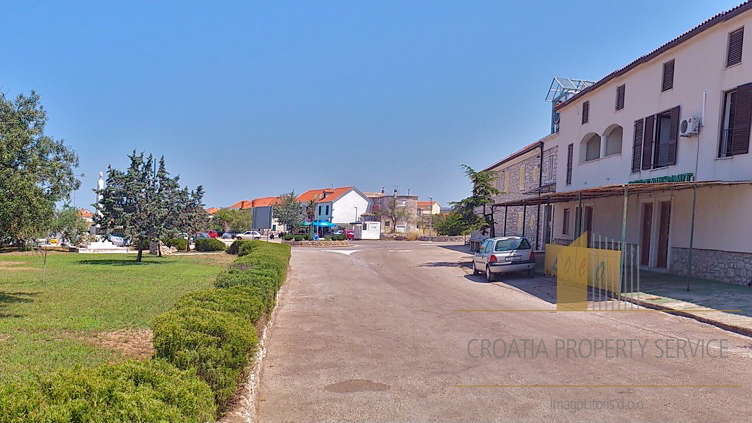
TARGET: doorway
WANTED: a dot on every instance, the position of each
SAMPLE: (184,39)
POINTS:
(663,232)
(647,232)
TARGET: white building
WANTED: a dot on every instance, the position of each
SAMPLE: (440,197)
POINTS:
(341,206)
(632,136)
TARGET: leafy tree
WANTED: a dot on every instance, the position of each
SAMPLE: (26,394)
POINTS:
(234,220)
(69,224)
(475,211)
(287,211)
(144,202)
(36,171)
(310,211)
(451,224)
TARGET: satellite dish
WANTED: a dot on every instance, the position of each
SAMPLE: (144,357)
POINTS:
(556,118)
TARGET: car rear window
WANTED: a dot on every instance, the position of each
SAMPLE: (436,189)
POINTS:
(511,244)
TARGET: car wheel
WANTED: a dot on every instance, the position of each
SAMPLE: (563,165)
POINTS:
(489,274)
(475,269)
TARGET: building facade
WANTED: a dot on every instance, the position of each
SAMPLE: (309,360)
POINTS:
(674,127)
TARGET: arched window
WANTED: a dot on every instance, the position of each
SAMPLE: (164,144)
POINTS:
(590,148)
(613,136)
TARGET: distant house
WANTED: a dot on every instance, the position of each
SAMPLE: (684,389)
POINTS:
(88,216)
(241,205)
(211,211)
(427,208)
(397,213)
(341,206)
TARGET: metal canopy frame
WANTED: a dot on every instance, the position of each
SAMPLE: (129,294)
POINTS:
(623,190)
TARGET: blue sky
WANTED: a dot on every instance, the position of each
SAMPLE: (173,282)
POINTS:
(252,99)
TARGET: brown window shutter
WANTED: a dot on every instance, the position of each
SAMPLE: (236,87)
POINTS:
(620,97)
(673,136)
(736,42)
(647,142)
(742,119)
(668,76)
(585,112)
(637,146)
(570,156)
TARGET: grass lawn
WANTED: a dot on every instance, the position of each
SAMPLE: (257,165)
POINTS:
(88,309)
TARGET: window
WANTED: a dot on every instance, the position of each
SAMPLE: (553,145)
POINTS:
(565,223)
(570,155)
(402,203)
(620,96)
(521,182)
(548,173)
(320,208)
(387,223)
(585,112)
(668,76)
(500,181)
(613,140)
(735,125)
(655,140)
(327,211)
(735,43)
(590,148)
(506,183)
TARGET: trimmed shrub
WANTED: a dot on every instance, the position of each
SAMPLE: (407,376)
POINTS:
(298,237)
(288,237)
(216,344)
(307,237)
(249,247)
(210,244)
(133,391)
(235,246)
(242,301)
(180,243)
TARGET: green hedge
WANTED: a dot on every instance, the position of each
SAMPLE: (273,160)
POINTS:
(216,344)
(212,332)
(135,392)
(210,244)
(180,243)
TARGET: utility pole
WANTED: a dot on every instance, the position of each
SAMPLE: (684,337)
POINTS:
(430,210)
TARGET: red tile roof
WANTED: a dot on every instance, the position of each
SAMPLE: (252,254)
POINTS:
(323,195)
(265,201)
(241,205)
(85,213)
(426,203)
(336,194)
(212,210)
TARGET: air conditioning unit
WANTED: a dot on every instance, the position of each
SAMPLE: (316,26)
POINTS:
(689,126)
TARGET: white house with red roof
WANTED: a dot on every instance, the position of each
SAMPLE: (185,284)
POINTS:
(341,205)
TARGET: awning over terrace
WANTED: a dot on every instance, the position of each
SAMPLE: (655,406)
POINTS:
(624,190)
(613,191)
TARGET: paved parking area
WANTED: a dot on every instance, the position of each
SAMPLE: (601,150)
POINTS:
(371,332)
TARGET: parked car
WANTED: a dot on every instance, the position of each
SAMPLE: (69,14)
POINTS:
(116,240)
(212,233)
(249,235)
(202,235)
(229,235)
(349,234)
(504,255)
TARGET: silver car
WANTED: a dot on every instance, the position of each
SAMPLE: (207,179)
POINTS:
(249,235)
(504,255)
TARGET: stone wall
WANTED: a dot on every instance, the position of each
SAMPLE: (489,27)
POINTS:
(460,238)
(319,243)
(725,266)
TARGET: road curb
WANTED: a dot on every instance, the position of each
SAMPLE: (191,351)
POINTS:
(741,330)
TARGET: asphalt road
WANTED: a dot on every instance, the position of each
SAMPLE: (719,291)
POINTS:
(370,333)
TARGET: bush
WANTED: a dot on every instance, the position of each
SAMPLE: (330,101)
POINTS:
(180,243)
(210,244)
(249,247)
(413,236)
(235,246)
(298,237)
(307,237)
(242,301)
(288,237)
(216,344)
(147,392)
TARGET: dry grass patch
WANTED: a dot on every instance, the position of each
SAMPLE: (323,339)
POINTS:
(136,344)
